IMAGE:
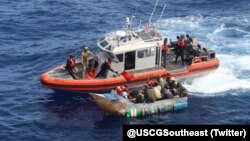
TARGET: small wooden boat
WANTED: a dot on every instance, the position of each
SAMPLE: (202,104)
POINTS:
(113,104)
(116,105)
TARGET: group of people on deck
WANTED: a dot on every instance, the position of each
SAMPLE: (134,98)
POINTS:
(154,90)
(184,46)
(86,54)
(71,63)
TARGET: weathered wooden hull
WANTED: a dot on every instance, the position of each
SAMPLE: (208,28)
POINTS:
(115,105)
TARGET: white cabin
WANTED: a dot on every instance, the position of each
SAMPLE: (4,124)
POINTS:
(132,50)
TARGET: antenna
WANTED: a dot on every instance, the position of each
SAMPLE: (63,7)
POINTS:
(136,7)
(132,20)
(160,16)
(134,16)
(139,25)
(149,21)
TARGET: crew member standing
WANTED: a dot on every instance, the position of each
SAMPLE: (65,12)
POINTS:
(181,47)
(165,51)
(85,55)
(70,65)
(106,66)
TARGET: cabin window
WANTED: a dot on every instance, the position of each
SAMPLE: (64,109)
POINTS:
(104,43)
(110,55)
(120,57)
(129,60)
(146,53)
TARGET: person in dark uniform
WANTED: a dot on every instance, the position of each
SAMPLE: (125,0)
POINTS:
(70,65)
(106,66)
(181,48)
(189,40)
(189,45)
(176,49)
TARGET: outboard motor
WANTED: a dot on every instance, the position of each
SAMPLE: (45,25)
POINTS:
(211,54)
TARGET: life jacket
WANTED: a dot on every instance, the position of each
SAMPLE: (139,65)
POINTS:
(119,90)
(151,83)
(71,62)
(165,47)
(181,43)
(127,75)
(123,88)
(91,74)
(197,60)
(108,64)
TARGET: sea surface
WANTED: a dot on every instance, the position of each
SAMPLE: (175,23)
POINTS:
(37,35)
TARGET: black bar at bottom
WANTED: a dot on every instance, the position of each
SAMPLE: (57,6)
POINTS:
(207,132)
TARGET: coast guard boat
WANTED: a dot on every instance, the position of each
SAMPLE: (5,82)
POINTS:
(136,56)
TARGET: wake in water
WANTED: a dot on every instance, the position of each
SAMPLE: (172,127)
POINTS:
(229,37)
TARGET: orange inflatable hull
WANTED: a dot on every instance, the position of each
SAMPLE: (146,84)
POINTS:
(95,85)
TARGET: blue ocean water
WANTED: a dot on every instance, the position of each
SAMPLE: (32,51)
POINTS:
(37,35)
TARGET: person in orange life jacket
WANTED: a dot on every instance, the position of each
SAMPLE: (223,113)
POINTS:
(70,65)
(128,94)
(124,91)
(119,90)
(181,46)
(150,83)
(106,66)
(125,88)
(165,51)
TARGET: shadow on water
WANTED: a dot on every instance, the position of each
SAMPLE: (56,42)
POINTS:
(77,111)
(110,122)
(68,105)
(65,93)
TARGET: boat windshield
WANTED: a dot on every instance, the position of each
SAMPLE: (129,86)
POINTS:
(104,43)
(111,55)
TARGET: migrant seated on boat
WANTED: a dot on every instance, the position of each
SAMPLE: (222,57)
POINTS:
(153,91)
(145,101)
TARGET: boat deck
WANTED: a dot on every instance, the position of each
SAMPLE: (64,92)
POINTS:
(171,67)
